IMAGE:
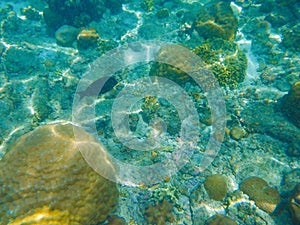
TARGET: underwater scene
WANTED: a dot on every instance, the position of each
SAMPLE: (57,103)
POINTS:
(149,112)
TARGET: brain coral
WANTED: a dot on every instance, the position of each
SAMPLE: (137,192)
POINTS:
(265,197)
(45,180)
(216,187)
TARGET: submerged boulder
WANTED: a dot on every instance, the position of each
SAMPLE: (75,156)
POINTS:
(77,13)
(87,38)
(45,179)
(66,35)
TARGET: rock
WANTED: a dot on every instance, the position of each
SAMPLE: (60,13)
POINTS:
(20,61)
(216,187)
(276,20)
(291,38)
(31,13)
(220,220)
(265,197)
(45,179)
(163,13)
(290,104)
(66,35)
(294,205)
(290,180)
(52,19)
(257,119)
(219,22)
(87,38)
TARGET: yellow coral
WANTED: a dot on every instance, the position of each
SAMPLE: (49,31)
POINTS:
(46,216)
(45,178)
(265,197)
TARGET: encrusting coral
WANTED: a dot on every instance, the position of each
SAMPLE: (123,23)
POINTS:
(77,13)
(223,58)
(45,179)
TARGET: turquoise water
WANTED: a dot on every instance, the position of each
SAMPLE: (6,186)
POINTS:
(193,105)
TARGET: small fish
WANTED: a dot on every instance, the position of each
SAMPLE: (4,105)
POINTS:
(98,87)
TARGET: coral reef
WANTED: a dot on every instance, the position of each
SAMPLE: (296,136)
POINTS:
(295,205)
(177,72)
(265,197)
(220,220)
(45,178)
(227,62)
(87,38)
(291,38)
(237,133)
(31,13)
(19,61)
(66,35)
(77,13)
(160,213)
(163,13)
(216,187)
(115,220)
(218,22)
(290,104)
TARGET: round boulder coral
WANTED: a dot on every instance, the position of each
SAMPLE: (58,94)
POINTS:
(45,179)
(66,35)
(265,197)
(216,187)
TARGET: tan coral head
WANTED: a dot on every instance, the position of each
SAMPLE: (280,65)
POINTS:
(46,216)
(45,179)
